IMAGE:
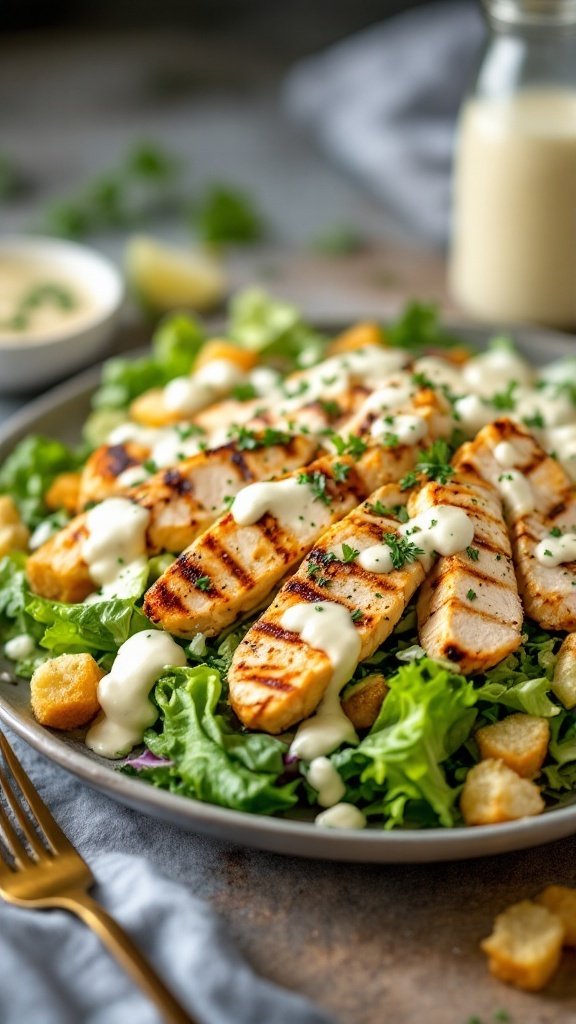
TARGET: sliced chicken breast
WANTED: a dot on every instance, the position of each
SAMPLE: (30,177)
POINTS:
(276,679)
(182,501)
(469,611)
(102,473)
(549,506)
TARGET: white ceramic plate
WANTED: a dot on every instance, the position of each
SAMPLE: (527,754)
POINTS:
(61,413)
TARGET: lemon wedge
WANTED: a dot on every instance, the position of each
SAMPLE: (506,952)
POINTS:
(165,277)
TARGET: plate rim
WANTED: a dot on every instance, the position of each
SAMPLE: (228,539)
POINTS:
(270,832)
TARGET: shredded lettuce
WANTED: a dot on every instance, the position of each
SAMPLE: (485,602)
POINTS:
(175,346)
(396,770)
(522,680)
(209,759)
(29,471)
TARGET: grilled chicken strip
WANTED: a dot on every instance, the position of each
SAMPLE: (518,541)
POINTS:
(102,473)
(245,563)
(469,611)
(548,592)
(182,501)
(276,679)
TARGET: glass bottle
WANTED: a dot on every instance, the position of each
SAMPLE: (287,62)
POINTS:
(513,252)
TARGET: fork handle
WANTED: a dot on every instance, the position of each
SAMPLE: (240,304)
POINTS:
(121,946)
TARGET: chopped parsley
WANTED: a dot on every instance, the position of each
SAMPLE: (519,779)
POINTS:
(351,445)
(313,570)
(471,595)
(349,554)
(228,501)
(555,531)
(248,440)
(377,508)
(473,554)
(389,440)
(433,462)
(548,553)
(402,551)
(340,472)
(332,409)
(317,482)
(203,583)
(357,615)
(505,400)
(537,420)
(244,391)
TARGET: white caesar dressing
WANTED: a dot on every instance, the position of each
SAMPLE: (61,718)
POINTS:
(331,378)
(341,816)
(443,529)
(116,537)
(125,432)
(172,447)
(562,442)
(495,370)
(133,476)
(41,534)
(123,694)
(20,647)
(513,486)
(264,380)
(187,395)
(472,413)
(404,428)
(327,627)
(293,504)
(440,372)
(397,390)
(323,777)
(38,301)
(553,551)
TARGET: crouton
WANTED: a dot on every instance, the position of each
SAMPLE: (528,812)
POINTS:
(525,946)
(493,793)
(564,681)
(219,348)
(64,493)
(63,691)
(150,411)
(362,701)
(357,336)
(14,536)
(521,741)
(561,901)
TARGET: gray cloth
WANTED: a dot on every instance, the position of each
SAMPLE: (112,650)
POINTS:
(53,970)
(384,105)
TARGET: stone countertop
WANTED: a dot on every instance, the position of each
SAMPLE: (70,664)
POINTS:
(397,943)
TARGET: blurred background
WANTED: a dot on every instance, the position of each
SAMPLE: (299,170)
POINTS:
(332,120)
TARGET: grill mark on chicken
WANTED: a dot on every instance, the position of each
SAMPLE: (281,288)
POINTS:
(239,460)
(233,567)
(191,573)
(178,483)
(273,629)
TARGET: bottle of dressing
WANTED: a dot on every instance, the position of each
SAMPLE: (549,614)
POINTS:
(514,239)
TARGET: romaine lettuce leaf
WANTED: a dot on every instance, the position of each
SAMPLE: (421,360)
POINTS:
(397,769)
(522,680)
(274,328)
(210,759)
(29,471)
(96,627)
(175,346)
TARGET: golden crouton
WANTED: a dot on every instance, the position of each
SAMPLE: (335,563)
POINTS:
(362,701)
(219,348)
(521,741)
(493,793)
(14,536)
(525,945)
(64,493)
(561,901)
(149,410)
(357,336)
(63,691)
(564,681)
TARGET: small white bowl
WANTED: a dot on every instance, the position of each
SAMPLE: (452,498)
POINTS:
(31,363)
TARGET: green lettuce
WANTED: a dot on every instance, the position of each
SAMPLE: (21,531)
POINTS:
(96,627)
(522,680)
(396,770)
(419,327)
(275,328)
(29,471)
(209,759)
(175,345)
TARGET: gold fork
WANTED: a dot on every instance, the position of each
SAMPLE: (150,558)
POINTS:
(43,870)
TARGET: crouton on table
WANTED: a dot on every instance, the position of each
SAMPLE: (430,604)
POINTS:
(525,946)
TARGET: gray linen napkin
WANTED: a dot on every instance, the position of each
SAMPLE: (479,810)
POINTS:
(384,104)
(53,970)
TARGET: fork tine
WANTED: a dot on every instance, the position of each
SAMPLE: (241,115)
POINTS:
(12,841)
(21,817)
(40,813)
